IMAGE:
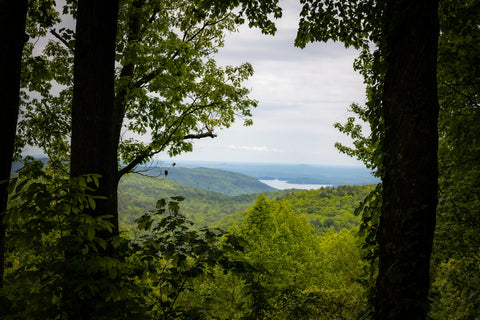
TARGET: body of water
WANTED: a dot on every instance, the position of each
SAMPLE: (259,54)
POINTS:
(282,185)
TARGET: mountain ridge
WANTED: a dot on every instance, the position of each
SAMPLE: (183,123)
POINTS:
(226,182)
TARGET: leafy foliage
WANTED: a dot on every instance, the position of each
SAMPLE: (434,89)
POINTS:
(172,256)
(456,286)
(56,249)
(45,221)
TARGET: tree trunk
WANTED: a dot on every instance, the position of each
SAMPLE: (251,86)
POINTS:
(94,149)
(410,162)
(12,21)
(93,145)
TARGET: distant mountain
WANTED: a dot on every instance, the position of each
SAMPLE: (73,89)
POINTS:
(294,173)
(225,182)
(201,177)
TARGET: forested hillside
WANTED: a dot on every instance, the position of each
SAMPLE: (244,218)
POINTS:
(326,208)
(139,193)
(296,273)
(225,182)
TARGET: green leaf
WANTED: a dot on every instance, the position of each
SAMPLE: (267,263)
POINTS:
(91,202)
(90,233)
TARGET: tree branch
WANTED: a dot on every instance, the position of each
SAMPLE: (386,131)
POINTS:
(128,168)
(452,87)
(62,40)
(209,133)
(205,25)
(148,152)
(149,77)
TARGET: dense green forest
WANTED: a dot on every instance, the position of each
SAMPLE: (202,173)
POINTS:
(83,238)
(138,194)
(326,208)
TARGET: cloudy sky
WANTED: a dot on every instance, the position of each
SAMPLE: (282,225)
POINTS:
(301,94)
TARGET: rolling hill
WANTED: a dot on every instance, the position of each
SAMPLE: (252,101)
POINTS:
(226,182)
(139,193)
(327,208)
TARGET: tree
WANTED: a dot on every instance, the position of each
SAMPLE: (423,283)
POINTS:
(12,17)
(404,126)
(410,171)
(94,148)
(454,277)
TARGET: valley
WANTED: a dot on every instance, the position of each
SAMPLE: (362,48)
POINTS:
(223,198)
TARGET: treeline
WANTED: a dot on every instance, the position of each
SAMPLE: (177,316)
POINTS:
(327,209)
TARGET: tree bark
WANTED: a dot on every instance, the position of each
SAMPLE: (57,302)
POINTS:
(410,174)
(13,15)
(94,147)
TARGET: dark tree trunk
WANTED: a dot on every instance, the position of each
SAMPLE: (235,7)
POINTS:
(93,145)
(410,163)
(94,149)
(12,21)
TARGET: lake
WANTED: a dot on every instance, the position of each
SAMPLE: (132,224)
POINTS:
(282,185)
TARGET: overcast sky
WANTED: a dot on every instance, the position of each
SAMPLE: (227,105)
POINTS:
(301,94)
